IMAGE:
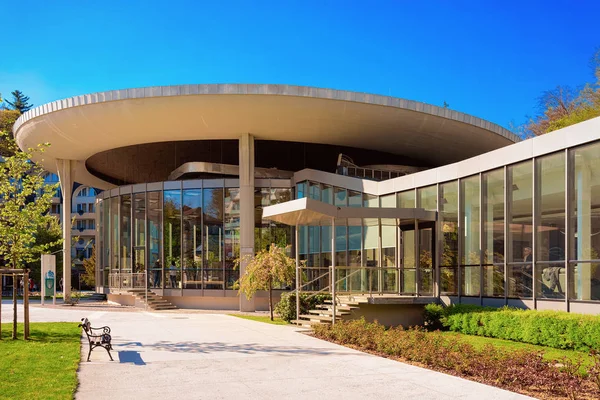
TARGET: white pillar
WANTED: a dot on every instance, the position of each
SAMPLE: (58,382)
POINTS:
(246,151)
(65,169)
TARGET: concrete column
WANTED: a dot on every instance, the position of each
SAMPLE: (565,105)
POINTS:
(246,149)
(65,169)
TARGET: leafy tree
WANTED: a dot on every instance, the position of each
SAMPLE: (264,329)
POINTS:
(24,205)
(266,269)
(565,106)
(20,102)
(7,120)
(89,264)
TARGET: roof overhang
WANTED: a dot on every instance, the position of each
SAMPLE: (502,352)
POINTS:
(307,211)
(83,126)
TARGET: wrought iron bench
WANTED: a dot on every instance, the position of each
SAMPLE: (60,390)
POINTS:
(97,337)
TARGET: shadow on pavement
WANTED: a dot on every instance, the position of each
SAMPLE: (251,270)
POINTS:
(245,348)
(133,357)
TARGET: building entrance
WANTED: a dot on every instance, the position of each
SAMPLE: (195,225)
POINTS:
(417,258)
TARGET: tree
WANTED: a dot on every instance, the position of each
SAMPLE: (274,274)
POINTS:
(7,120)
(89,264)
(20,102)
(24,206)
(564,106)
(266,269)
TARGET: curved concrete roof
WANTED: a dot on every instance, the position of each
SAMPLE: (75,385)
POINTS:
(81,126)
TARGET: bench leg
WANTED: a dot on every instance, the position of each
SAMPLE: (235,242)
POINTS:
(89,352)
(108,351)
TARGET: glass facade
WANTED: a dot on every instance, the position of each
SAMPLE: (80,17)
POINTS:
(528,230)
(183,238)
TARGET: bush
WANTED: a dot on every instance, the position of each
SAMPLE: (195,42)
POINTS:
(557,329)
(286,308)
(522,370)
(432,316)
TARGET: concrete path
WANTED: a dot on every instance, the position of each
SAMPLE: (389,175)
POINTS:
(216,356)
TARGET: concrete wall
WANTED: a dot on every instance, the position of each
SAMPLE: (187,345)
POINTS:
(390,314)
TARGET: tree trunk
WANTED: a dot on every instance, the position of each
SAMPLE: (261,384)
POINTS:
(271,298)
(15,283)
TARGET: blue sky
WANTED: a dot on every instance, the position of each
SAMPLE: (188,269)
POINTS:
(491,59)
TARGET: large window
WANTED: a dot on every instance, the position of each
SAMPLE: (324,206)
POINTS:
(192,238)
(139,232)
(125,233)
(232,236)
(213,237)
(520,229)
(493,233)
(155,258)
(406,199)
(585,220)
(114,234)
(550,222)
(427,198)
(471,251)
(448,219)
(172,237)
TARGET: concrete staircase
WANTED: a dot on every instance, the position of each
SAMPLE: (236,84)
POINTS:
(155,302)
(96,297)
(323,313)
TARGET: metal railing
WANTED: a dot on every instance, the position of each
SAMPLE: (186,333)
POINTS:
(127,280)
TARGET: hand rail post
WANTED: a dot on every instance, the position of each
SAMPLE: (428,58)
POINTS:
(333,282)
(298,283)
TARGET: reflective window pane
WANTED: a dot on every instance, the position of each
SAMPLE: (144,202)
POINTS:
(212,202)
(232,235)
(341,197)
(192,238)
(155,237)
(427,198)
(471,252)
(139,232)
(406,199)
(550,187)
(172,237)
(520,229)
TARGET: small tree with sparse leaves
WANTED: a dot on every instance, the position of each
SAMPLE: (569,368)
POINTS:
(25,201)
(265,270)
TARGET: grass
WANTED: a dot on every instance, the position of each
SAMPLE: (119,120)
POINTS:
(45,367)
(261,318)
(550,353)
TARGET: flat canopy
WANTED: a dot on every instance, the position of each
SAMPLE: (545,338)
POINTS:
(307,211)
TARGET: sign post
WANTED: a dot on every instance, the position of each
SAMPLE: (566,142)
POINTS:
(49,277)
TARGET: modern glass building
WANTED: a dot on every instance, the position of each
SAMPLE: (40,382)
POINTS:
(376,196)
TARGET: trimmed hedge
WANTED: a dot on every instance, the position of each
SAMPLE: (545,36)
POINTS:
(557,329)
(286,308)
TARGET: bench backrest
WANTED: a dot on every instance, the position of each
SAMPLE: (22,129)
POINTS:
(86,325)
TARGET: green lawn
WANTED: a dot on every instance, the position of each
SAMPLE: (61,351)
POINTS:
(44,367)
(261,318)
(550,353)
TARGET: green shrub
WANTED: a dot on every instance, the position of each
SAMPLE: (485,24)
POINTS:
(521,370)
(432,316)
(286,308)
(557,329)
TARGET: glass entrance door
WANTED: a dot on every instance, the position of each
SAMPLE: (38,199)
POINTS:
(417,255)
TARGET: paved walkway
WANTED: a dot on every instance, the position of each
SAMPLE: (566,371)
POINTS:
(216,356)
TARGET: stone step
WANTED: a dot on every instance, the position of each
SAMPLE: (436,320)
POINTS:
(345,303)
(320,318)
(328,312)
(338,307)
(306,323)
(164,307)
